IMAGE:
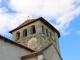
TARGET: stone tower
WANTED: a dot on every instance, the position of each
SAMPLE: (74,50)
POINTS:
(36,34)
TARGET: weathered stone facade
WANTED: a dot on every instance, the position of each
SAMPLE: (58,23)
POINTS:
(42,38)
(38,36)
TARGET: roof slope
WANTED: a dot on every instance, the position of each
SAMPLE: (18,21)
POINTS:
(13,42)
(36,52)
(26,22)
(40,52)
(33,20)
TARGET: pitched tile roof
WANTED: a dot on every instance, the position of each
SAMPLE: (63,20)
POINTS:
(40,52)
(36,52)
(34,20)
(26,22)
(13,42)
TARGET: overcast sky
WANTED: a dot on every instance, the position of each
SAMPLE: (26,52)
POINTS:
(63,14)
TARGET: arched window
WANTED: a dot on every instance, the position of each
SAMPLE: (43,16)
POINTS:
(47,33)
(17,35)
(33,30)
(24,32)
(43,29)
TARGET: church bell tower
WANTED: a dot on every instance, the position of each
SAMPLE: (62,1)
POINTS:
(36,34)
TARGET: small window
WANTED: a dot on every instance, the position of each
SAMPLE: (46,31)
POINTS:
(17,35)
(33,30)
(43,29)
(50,34)
(47,33)
(24,32)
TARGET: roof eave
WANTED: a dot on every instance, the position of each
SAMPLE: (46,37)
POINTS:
(8,40)
(43,20)
(21,27)
(48,24)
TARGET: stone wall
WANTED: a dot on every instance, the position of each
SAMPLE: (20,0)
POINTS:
(51,54)
(24,40)
(42,38)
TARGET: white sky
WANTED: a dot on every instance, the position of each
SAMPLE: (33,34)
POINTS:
(62,11)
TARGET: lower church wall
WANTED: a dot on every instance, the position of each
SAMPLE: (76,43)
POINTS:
(51,54)
(10,51)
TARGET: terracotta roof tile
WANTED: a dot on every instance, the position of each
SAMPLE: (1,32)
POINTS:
(23,24)
(31,53)
(36,52)
(40,52)
(28,55)
(26,22)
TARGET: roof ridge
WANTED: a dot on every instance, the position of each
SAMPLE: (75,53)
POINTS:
(4,37)
(24,23)
(41,19)
(36,52)
(11,41)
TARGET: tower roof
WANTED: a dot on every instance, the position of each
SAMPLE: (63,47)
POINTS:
(29,21)
(26,22)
